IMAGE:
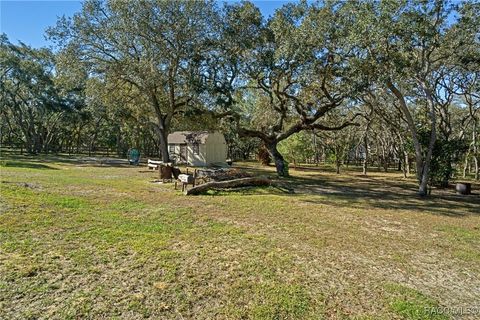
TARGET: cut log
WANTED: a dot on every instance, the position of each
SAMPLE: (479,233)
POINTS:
(235,183)
(166,172)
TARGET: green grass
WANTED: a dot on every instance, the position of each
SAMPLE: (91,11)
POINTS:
(466,239)
(413,305)
(91,241)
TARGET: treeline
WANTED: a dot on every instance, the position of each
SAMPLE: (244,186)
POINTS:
(49,105)
(377,82)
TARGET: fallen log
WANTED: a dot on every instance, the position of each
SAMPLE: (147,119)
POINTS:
(235,183)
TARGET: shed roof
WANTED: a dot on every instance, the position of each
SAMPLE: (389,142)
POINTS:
(180,137)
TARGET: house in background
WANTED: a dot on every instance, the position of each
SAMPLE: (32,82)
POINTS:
(198,148)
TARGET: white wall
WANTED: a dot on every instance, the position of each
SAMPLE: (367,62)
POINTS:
(216,148)
(213,151)
(197,160)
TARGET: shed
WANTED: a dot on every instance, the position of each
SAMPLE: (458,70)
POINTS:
(198,148)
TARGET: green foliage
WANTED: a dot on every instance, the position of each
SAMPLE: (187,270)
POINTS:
(125,74)
(445,154)
(32,103)
(159,61)
(298,147)
(292,74)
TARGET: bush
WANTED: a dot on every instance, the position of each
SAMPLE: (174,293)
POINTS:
(445,154)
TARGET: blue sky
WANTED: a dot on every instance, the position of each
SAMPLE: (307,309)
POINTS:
(26,21)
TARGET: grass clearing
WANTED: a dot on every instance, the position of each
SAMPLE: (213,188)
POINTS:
(90,241)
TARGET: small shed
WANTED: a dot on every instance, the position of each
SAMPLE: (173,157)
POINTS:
(198,148)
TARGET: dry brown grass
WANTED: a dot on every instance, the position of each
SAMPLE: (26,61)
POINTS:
(99,241)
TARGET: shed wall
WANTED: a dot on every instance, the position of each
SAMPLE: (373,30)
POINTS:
(214,150)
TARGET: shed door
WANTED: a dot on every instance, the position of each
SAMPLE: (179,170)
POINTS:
(183,152)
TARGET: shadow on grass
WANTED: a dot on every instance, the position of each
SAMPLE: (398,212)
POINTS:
(380,190)
(78,160)
(367,192)
(29,165)
(332,169)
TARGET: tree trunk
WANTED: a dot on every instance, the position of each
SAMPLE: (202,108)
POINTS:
(119,142)
(475,148)
(406,164)
(38,144)
(365,160)
(447,174)
(412,128)
(29,144)
(475,161)
(465,164)
(277,159)
(423,187)
(91,145)
(162,135)
(163,122)
(384,158)
(79,140)
(422,190)
(379,158)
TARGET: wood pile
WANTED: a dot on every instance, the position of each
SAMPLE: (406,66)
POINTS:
(223,174)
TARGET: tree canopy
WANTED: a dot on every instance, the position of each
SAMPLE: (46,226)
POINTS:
(374,81)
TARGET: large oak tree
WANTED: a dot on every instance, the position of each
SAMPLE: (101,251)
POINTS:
(293,71)
(155,47)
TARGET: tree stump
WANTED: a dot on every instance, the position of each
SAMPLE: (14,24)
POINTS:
(165,172)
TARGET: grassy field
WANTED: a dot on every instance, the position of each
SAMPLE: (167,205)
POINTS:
(86,240)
